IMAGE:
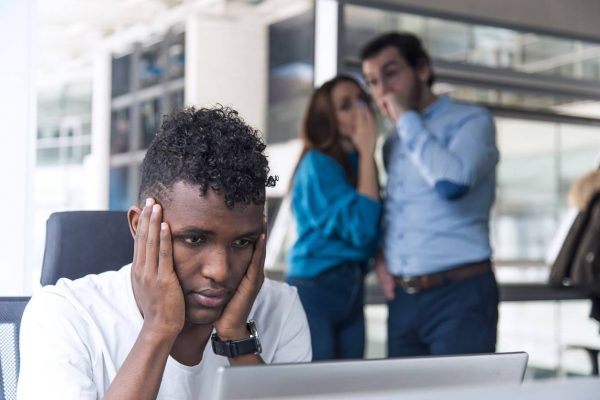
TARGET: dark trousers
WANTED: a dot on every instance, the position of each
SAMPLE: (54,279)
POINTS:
(456,318)
(334,303)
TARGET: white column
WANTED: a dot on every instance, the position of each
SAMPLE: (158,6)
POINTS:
(326,40)
(17,143)
(97,163)
(227,63)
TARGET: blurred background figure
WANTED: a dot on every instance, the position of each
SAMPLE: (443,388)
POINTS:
(441,160)
(578,261)
(335,200)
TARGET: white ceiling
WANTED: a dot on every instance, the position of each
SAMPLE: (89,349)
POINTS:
(69,30)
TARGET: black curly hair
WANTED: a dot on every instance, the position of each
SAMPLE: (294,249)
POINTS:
(209,147)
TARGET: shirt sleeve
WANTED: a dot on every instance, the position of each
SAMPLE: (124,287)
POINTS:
(332,205)
(452,169)
(294,344)
(55,362)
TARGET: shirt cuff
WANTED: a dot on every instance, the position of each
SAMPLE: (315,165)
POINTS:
(409,126)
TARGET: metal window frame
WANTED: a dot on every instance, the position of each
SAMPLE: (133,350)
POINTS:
(409,9)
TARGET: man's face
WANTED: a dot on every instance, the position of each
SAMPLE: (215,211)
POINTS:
(212,247)
(388,73)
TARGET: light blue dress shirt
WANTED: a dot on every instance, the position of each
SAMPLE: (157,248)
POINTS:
(441,167)
(335,223)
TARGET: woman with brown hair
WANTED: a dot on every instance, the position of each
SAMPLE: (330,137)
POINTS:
(335,199)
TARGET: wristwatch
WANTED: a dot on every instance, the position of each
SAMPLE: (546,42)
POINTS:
(235,348)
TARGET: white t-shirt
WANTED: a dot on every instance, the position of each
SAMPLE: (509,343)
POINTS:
(76,335)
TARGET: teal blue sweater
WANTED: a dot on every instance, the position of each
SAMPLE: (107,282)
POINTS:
(336,224)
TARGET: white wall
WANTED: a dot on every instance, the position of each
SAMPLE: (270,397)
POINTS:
(226,62)
(17,142)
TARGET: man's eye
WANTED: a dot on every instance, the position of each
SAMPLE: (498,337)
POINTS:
(391,73)
(371,82)
(242,243)
(194,240)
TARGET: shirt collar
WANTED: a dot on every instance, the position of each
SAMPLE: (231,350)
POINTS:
(437,105)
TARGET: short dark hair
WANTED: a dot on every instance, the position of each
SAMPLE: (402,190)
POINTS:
(209,147)
(408,45)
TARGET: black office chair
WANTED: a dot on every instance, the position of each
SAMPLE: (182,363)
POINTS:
(11,310)
(79,243)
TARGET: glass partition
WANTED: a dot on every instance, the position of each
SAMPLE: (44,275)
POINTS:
(476,44)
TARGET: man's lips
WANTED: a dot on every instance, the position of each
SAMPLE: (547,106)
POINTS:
(209,298)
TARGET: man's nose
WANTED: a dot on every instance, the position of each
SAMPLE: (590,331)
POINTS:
(385,87)
(380,89)
(216,266)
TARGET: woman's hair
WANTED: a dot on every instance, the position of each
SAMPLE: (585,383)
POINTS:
(319,130)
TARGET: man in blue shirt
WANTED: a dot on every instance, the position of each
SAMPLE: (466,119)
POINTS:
(434,264)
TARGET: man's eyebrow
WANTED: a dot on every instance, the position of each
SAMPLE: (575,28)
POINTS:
(390,63)
(194,230)
(254,232)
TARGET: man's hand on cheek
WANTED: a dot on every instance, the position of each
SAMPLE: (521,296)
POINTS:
(231,325)
(156,287)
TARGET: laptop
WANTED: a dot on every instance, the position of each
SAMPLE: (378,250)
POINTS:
(367,376)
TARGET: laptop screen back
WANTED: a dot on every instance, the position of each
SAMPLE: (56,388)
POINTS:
(367,376)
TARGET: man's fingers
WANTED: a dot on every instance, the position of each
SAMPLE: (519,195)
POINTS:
(142,234)
(388,109)
(256,268)
(165,254)
(387,285)
(137,226)
(392,107)
(153,240)
(389,292)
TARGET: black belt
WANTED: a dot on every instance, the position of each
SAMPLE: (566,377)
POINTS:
(415,284)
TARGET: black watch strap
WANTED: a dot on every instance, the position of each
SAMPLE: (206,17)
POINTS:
(236,348)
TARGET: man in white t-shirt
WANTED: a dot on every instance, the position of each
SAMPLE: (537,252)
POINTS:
(194,297)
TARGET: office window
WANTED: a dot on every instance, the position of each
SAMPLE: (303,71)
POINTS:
(477,44)
(539,162)
(121,75)
(64,118)
(150,115)
(149,84)
(290,75)
(119,198)
(119,131)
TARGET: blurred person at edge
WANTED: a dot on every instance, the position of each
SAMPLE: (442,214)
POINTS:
(335,199)
(434,263)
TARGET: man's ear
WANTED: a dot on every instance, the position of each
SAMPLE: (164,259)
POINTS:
(133,216)
(424,72)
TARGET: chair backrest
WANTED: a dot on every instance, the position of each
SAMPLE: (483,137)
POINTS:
(11,310)
(79,243)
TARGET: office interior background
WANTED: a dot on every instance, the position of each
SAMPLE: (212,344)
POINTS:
(85,83)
